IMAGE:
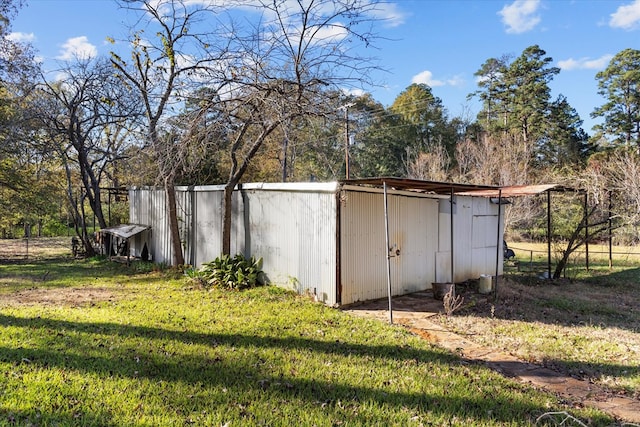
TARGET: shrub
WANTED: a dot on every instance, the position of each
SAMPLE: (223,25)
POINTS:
(233,273)
(195,276)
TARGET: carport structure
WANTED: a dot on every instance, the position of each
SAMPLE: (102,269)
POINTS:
(439,188)
(547,189)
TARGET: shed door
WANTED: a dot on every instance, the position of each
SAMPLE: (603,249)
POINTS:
(412,231)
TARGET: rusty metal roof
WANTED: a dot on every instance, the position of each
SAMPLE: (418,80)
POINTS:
(420,185)
(522,190)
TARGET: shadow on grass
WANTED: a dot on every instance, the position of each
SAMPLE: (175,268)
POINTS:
(627,278)
(235,367)
(588,370)
(25,418)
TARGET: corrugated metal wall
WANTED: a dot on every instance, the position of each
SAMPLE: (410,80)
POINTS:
(413,230)
(291,226)
(295,233)
(475,236)
(147,206)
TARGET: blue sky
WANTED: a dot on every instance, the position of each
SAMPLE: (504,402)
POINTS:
(437,42)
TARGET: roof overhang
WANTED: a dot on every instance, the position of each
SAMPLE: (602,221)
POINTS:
(522,190)
(435,187)
(125,231)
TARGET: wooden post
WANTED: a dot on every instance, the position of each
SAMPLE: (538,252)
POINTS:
(586,230)
(452,245)
(610,234)
(549,234)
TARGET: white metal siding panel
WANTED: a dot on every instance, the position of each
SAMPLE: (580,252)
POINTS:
(295,234)
(443,267)
(363,253)
(239,224)
(475,222)
(412,230)
(443,257)
(185,216)
(485,223)
(208,240)
(462,232)
(148,207)
(294,231)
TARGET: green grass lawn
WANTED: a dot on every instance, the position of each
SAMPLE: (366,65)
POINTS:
(97,343)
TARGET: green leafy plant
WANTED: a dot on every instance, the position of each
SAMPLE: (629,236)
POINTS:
(196,276)
(235,272)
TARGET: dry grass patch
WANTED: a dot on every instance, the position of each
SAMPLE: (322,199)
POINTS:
(34,248)
(67,297)
(587,330)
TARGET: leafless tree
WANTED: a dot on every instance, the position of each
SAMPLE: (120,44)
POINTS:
(262,74)
(185,48)
(617,171)
(83,114)
(432,165)
(597,226)
(284,69)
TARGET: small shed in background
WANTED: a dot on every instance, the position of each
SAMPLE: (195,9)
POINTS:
(119,239)
(329,238)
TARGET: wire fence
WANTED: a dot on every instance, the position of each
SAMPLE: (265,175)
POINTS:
(34,248)
(536,260)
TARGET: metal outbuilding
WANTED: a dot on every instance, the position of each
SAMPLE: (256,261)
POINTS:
(117,240)
(345,241)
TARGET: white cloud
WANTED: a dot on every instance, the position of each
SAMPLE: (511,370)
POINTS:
(520,16)
(22,37)
(456,81)
(426,77)
(330,34)
(77,47)
(389,13)
(353,91)
(585,63)
(626,17)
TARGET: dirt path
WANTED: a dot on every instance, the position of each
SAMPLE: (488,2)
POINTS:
(415,311)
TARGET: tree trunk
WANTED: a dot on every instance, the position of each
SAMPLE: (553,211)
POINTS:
(174,230)
(96,207)
(89,251)
(226,218)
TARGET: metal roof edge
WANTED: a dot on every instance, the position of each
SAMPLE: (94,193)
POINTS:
(522,190)
(328,187)
(379,190)
(436,187)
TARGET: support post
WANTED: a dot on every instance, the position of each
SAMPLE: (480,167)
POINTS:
(495,287)
(549,234)
(109,207)
(610,224)
(452,246)
(346,141)
(386,233)
(586,230)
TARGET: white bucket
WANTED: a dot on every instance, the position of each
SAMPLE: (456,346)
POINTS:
(485,285)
